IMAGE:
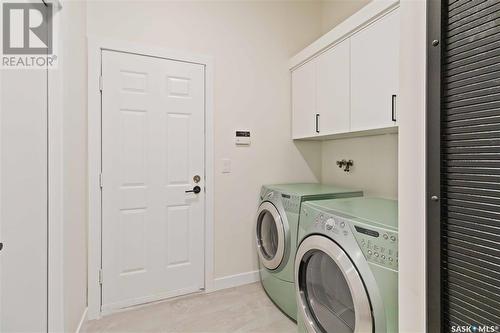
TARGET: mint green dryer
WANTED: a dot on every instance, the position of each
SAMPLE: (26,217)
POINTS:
(276,235)
(346,266)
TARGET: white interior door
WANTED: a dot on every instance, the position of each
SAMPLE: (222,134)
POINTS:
(152,148)
(23,201)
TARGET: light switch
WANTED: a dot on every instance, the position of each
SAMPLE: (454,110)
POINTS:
(226,165)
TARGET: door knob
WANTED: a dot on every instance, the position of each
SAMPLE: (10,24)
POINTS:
(195,190)
(1,246)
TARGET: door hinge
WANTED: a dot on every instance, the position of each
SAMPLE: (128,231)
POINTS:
(100,83)
(100,180)
(100,276)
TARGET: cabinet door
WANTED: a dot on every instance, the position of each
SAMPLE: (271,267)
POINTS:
(333,90)
(304,101)
(374,74)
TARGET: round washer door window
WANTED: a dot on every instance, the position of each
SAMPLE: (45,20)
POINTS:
(270,235)
(331,293)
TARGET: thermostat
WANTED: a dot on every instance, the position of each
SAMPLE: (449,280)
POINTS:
(242,138)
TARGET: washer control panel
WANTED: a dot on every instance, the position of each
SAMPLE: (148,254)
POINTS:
(379,246)
(291,203)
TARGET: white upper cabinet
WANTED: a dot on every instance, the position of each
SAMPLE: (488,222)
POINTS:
(304,101)
(374,74)
(347,81)
(320,94)
(332,89)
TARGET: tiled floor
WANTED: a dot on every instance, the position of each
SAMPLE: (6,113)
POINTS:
(241,309)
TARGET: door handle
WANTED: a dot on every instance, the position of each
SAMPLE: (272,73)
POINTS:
(1,246)
(394,107)
(195,190)
(317,122)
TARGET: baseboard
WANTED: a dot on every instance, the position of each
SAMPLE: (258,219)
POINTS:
(147,300)
(82,321)
(236,280)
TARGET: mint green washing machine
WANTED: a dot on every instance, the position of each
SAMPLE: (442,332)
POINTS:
(346,266)
(276,235)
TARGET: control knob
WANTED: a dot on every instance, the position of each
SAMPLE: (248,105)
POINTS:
(330,224)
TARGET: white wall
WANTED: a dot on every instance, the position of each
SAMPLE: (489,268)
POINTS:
(23,200)
(375,167)
(74,67)
(251,43)
(334,12)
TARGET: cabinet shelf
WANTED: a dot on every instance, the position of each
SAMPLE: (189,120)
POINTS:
(353,134)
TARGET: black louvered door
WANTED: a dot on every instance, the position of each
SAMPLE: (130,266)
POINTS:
(463,166)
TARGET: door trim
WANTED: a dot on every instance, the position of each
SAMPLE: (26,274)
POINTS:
(95,47)
(55,195)
(433,179)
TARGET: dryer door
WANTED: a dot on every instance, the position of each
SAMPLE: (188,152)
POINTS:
(270,235)
(330,292)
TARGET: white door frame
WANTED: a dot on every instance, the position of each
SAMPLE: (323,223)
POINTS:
(95,47)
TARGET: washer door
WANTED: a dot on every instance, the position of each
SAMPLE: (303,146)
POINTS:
(270,236)
(330,293)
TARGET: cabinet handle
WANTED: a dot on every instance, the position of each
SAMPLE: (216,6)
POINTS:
(317,122)
(394,107)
